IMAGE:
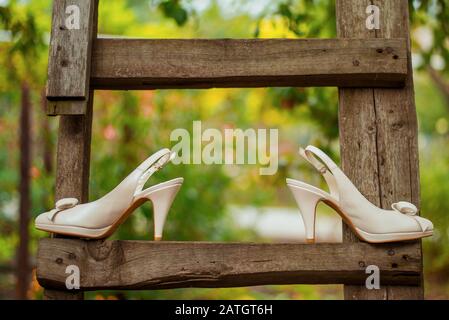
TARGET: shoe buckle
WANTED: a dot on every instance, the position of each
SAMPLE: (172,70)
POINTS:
(161,163)
(158,166)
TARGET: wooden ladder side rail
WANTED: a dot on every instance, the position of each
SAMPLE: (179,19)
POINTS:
(70,53)
(378,131)
(75,127)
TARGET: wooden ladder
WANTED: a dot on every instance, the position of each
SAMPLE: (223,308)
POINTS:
(378,139)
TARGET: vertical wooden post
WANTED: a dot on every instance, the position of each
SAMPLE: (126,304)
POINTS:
(72,169)
(73,155)
(69,75)
(378,130)
(73,28)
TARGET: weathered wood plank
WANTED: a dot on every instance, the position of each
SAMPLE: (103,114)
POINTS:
(73,155)
(159,265)
(196,63)
(398,132)
(75,123)
(378,131)
(70,51)
(72,169)
(358,131)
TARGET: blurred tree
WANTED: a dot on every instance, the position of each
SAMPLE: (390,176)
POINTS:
(25,42)
(431,19)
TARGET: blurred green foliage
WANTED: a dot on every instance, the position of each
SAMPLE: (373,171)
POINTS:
(129,126)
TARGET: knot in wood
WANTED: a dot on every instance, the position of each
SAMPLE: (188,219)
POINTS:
(99,250)
(397,125)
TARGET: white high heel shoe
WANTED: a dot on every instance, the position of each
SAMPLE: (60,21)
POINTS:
(368,222)
(100,218)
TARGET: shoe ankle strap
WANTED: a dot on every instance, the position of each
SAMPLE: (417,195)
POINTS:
(154,163)
(314,152)
(324,165)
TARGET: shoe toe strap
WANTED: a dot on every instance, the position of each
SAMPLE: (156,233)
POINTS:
(61,205)
(405,207)
(425,224)
(411,210)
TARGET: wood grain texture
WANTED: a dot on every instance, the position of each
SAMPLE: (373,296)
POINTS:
(158,265)
(73,155)
(75,123)
(72,170)
(398,134)
(70,51)
(151,64)
(379,143)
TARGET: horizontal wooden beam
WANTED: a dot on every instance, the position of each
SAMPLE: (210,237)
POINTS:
(160,265)
(164,64)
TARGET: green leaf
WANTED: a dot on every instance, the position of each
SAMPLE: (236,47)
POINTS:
(172,9)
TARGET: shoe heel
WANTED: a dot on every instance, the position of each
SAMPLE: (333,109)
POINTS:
(307,202)
(162,200)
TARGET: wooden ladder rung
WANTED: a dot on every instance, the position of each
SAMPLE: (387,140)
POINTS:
(127,64)
(160,265)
